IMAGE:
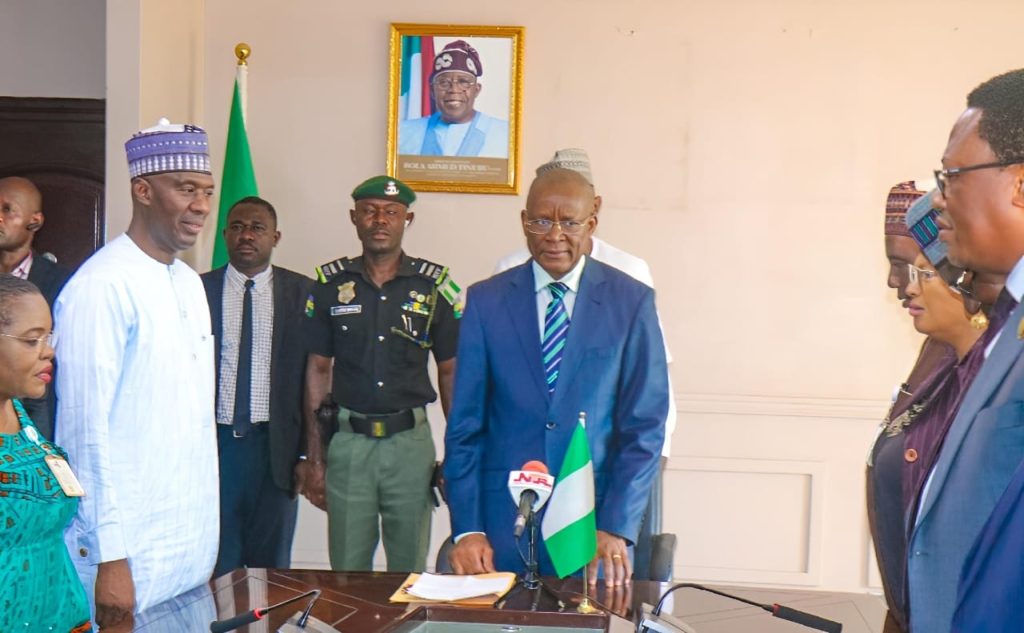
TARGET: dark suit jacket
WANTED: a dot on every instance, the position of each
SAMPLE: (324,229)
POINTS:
(978,459)
(287,364)
(502,415)
(50,279)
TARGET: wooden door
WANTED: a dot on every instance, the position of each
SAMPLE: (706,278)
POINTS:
(58,144)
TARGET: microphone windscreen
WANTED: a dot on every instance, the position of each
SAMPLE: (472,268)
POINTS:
(807,619)
(535,466)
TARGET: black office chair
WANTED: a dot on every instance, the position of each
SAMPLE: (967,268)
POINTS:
(441,565)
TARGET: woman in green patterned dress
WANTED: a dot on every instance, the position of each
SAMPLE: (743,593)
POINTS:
(39,590)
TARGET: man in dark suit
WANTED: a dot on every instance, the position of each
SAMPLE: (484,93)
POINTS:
(21,217)
(257,315)
(981,196)
(522,380)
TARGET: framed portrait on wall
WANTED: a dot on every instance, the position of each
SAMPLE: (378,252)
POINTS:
(454,107)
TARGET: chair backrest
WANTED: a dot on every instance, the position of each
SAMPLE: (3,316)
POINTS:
(441,565)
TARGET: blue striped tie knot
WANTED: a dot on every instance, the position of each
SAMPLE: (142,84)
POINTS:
(556,329)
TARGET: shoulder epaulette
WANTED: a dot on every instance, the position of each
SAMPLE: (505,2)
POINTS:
(325,271)
(446,286)
(430,270)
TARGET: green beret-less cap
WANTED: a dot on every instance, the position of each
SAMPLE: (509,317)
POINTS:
(384,188)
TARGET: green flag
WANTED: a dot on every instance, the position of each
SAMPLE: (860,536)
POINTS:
(570,526)
(238,180)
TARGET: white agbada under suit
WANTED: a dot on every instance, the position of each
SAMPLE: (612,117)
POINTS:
(136,416)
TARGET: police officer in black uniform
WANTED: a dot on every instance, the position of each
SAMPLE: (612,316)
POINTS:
(377,317)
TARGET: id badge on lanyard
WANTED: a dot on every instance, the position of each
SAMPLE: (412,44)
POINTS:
(59,467)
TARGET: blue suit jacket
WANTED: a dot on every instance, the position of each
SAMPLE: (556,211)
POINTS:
(502,416)
(981,452)
(991,595)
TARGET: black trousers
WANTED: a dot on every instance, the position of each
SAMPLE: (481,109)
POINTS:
(257,519)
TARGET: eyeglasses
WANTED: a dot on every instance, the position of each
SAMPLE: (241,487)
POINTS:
(942,176)
(255,229)
(462,83)
(569,227)
(50,339)
(914,274)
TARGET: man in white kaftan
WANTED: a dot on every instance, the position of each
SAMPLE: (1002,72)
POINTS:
(136,391)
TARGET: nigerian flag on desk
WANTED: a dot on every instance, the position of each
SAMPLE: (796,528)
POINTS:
(570,526)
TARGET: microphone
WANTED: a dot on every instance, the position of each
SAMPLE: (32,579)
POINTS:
(651,623)
(530,489)
(230,624)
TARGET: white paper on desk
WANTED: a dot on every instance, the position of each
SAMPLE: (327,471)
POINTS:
(449,588)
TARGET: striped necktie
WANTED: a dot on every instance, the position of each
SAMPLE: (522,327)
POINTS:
(556,328)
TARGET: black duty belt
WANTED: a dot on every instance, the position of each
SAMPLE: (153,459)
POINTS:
(379,425)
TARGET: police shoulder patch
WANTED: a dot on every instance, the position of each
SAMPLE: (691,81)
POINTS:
(324,272)
(449,289)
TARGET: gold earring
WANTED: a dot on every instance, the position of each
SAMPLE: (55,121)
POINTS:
(979,321)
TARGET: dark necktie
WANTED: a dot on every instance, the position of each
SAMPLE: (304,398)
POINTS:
(556,328)
(1001,310)
(243,383)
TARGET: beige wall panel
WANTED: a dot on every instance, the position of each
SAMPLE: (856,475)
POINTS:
(743,520)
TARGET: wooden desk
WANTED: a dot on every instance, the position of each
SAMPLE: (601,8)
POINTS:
(358,603)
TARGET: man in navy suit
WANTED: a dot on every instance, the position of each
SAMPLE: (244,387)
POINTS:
(259,390)
(523,377)
(981,196)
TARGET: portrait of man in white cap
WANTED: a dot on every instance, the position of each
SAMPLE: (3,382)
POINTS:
(456,127)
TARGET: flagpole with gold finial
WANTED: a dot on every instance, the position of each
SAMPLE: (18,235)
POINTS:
(585,605)
(242,52)
(238,179)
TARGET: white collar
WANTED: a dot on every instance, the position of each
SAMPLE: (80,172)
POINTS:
(1015,280)
(260,280)
(541,278)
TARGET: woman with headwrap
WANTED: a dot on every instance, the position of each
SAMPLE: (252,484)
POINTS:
(911,434)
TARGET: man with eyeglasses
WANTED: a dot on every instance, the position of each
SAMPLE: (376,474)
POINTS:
(981,199)
(456,128)
(377,318)
(258,326)
(540,343)
(577,160)
(136,390)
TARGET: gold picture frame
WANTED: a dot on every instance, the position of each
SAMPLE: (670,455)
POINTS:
(470,145)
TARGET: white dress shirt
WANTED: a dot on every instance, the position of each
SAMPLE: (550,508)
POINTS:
(541,279)
(262,340)
(23,268)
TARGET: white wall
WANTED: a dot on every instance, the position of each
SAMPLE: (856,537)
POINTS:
(743,147)
(52,48)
